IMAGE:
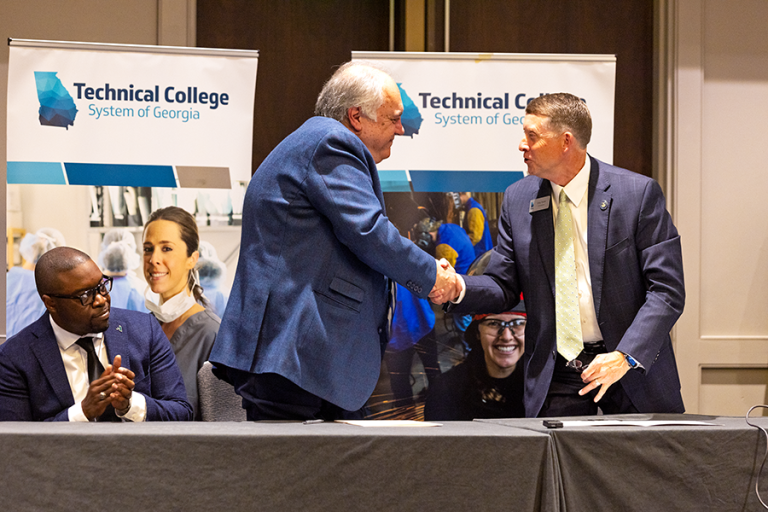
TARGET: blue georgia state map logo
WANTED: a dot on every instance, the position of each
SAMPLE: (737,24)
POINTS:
(57,108)
(411,117)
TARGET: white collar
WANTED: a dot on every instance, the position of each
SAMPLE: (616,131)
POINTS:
(577,187)
(66,339)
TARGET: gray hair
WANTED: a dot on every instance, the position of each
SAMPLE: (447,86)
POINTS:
(354,84)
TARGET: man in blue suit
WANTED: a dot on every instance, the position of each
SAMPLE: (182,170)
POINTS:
(307,319)
(628,287)
(82,360)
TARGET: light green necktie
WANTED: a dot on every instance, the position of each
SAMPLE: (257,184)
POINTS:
(567,316)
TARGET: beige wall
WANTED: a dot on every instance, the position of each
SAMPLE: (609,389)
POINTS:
(720,113)
(169,22)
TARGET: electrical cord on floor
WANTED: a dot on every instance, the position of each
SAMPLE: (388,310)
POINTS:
(762,464)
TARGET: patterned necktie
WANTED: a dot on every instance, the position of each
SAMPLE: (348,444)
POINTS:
(567,316)
(95,369)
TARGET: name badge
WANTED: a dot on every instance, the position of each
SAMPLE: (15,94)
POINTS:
(541,203)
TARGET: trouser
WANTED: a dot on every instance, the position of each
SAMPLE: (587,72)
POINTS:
(563,397)
(269,396)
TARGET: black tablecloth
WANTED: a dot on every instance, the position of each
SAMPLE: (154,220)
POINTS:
(675,468)
(274,466)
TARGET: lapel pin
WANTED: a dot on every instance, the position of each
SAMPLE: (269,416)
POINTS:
(119,328)
(604,205)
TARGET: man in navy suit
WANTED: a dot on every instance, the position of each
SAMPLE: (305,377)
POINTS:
(82,361)
(307,320)
(628,272)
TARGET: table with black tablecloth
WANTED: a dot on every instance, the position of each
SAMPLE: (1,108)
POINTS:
(675,468)
(274,466)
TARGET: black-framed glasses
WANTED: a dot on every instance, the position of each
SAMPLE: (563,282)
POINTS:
(88,296)
(516,325)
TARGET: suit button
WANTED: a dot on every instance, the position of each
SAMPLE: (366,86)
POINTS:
(381,330)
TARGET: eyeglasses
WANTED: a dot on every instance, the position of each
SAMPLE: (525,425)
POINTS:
(517,325)
(88,296)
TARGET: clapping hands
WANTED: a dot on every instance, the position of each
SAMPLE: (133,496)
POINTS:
(114,386)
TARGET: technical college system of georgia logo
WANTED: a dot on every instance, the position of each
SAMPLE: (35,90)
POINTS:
(57,108)
(411,117)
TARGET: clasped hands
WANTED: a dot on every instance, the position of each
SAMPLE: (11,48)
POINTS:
(447,285)
(114,386)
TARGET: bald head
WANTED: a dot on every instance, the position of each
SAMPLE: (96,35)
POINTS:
(53,264)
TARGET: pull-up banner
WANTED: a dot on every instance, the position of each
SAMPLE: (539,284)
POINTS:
(151,116)
(464,113)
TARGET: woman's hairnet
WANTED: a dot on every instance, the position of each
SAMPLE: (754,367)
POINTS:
(210,268)
(34,245)
(119,257)
(207,251)
(118,235)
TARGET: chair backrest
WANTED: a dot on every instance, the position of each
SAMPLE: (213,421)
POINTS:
(218,400)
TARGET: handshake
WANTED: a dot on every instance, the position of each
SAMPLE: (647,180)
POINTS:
(447,284)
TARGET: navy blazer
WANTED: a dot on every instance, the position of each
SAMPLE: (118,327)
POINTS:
(34,385)
(309,299)
(636,268)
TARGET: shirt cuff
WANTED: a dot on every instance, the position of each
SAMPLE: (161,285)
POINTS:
(463,290)
(137,412)
(76,413)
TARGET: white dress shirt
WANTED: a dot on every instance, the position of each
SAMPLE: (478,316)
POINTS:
(75,360)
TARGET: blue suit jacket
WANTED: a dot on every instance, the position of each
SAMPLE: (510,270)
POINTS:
(34,385)
(309,300)
(636,268)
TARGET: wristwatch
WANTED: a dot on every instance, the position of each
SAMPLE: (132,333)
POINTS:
(631,361)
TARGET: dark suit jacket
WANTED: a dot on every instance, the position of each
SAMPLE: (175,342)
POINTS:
(34,385)
(309,300)
(636,268)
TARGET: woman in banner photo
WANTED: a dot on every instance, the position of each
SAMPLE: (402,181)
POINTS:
(489,382)
(171,248)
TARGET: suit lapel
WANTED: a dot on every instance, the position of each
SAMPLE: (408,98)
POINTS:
(115,342)
(599,210)
(47,352)
(543,229)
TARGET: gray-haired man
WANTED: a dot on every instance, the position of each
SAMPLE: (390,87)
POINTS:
(305,327)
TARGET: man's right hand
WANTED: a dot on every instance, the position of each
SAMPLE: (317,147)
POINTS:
(94,405)
(447,286)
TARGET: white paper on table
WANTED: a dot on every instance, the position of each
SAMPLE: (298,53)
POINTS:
(389,423)
(634,423)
